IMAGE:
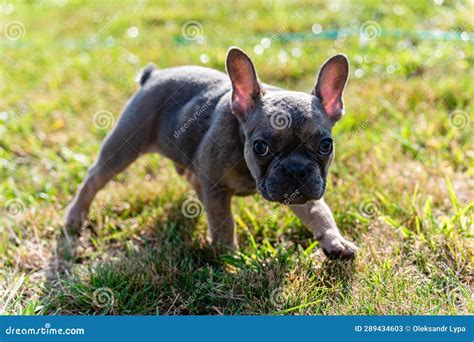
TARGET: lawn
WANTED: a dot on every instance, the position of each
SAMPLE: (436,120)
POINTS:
(401,186)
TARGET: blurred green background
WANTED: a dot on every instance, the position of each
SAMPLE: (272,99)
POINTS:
(401,186)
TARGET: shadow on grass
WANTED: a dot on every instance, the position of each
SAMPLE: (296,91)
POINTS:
(175,272)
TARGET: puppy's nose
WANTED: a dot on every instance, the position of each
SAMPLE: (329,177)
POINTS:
(296,170)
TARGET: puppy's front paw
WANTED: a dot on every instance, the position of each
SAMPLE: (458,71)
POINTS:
(75,219)
(339,248)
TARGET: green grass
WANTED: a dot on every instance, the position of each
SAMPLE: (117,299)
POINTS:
(401,186)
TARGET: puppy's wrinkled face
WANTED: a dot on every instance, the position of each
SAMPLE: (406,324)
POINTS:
(288,147)
(288,143)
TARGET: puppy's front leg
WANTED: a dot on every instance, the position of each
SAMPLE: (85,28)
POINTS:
(219,216)
(318,216)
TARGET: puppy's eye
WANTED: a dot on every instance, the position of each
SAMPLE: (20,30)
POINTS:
(260,148)
(325,147)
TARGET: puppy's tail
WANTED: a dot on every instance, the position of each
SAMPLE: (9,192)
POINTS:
(146,73)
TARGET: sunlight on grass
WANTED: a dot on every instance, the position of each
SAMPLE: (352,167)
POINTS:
(401,186)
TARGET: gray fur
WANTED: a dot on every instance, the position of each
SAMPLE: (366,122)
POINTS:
(207,124)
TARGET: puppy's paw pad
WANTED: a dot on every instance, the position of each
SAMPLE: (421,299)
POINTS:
(340,249)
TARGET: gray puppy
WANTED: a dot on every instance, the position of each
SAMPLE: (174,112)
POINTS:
(230,135)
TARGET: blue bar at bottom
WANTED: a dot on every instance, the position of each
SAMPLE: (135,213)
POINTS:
(236,328)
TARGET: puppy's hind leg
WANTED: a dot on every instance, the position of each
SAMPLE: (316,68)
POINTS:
(115,156)
(132,137)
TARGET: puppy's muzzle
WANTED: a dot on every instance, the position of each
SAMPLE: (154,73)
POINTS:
(296,171)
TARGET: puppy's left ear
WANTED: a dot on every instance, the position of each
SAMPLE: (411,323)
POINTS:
(246,87)
(330,85)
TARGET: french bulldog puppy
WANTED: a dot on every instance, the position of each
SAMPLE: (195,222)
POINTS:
(232,135)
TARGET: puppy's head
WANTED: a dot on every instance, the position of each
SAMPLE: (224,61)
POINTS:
(288,144)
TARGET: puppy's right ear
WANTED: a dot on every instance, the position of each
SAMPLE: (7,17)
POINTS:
(246,88)
(330,85)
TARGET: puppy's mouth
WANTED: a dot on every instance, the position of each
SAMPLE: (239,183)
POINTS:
(295,197)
